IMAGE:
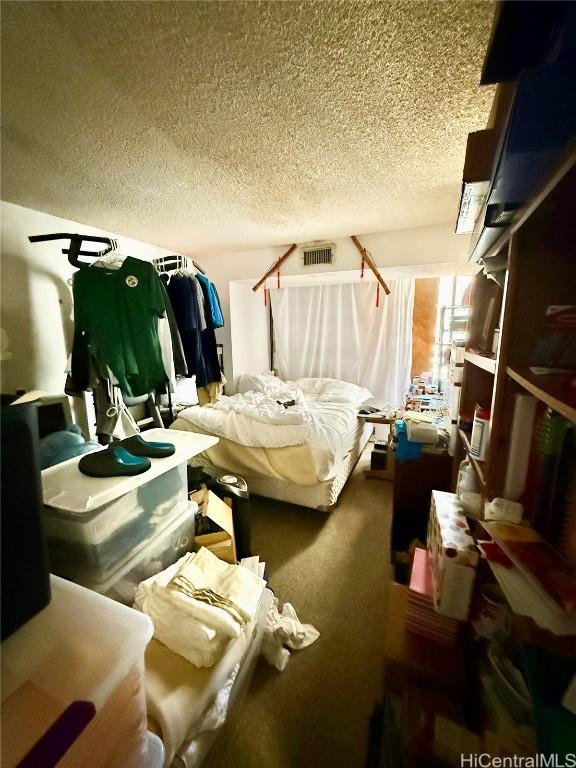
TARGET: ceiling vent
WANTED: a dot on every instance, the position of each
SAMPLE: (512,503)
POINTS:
(312,255)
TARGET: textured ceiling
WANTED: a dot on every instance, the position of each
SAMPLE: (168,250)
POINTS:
(204,126)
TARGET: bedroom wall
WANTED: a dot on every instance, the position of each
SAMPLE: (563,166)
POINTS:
(36,300)
(420,252)
(249,332)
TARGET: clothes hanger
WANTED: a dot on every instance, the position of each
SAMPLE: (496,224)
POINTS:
(113,259)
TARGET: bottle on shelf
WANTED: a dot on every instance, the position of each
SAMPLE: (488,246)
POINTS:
(467,480)
(479,437)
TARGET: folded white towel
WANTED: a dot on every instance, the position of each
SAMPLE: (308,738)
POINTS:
(200,628)
(197,642)
(223,596)
(182,634)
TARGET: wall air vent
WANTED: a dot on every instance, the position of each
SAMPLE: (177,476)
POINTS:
(312,255)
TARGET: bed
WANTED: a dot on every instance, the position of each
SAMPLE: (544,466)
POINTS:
(292,441)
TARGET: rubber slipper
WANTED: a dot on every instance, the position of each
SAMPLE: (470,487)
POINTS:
(137,446)
(115,461)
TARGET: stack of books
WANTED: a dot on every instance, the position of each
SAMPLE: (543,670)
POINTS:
(421,618)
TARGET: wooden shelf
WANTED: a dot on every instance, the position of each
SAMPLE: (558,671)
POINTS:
(478,465)
(552,390)
(481,361)
(556,624)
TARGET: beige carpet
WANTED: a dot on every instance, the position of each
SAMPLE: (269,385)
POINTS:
(334,569)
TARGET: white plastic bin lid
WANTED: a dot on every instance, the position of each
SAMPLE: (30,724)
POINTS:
(66,488)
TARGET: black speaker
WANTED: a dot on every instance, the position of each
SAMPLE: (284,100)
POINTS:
(234,491)
(24,567)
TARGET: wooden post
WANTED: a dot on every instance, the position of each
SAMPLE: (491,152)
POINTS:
(371,263)
(274,267)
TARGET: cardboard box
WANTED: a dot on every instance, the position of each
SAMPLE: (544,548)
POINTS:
(222,543)
(453,556)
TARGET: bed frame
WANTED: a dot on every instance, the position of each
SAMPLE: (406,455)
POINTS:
(322,496)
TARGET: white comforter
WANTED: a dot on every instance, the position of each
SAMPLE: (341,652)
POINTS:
(258,420)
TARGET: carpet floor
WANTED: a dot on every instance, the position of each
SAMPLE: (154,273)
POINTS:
(334,568)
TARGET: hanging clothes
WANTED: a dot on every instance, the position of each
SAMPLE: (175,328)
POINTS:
(116,313)
(209,348)
(200,301)
(184,303)
(180,367)
(213,300)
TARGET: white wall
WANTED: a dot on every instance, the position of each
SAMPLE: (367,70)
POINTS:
(36,300)
(421,252)
(249,331)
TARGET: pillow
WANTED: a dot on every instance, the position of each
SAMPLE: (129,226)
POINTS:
(264,382)
(335,391)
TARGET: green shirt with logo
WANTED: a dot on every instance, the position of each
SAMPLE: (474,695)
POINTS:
(118,310)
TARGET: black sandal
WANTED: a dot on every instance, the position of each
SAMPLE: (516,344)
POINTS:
(115,461)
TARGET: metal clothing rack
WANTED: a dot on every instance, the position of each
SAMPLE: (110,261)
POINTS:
(176,261)
(75,250)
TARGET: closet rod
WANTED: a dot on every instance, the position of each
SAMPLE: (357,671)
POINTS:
(85,253)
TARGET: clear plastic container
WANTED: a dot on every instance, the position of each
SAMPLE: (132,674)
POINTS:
(467,479)
(95,524)
(168,545)
(81,648)
(101,539)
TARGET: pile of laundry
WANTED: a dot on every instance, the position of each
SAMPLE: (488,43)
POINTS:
(200,604)
(285,632)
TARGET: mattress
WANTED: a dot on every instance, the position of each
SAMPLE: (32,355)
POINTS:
(322,496)
(295,463)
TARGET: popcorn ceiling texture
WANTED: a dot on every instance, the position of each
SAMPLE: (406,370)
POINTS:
(203,126)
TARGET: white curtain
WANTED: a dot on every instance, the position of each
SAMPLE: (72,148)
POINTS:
(337,331)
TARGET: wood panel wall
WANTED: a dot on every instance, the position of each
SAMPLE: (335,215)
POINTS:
(424,324)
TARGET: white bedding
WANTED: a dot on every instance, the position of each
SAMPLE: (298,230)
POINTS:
(257,419)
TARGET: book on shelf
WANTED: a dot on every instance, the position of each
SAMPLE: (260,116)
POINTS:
(550,497)
(551,577)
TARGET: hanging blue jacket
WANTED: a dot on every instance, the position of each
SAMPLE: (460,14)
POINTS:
(213,300)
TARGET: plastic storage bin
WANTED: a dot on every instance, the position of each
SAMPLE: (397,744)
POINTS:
(174,540)
(93,525)
(86,651)
(101,538)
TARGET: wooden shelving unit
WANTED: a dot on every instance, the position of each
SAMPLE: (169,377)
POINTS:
(555,391)
(486,362)
(541,272)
